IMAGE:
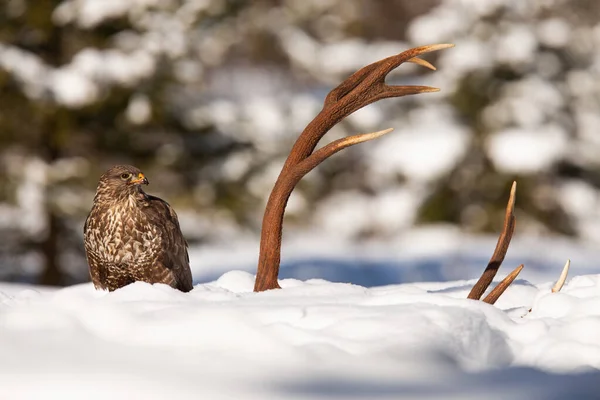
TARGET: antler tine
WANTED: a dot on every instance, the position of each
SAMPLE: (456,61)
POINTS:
(501,248)
(398,91)
(422,63)
(502,286)
(563,277)
(373,76)
(316,158)
(393,62)
(362,88)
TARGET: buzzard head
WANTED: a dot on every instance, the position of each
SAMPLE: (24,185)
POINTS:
(121,181)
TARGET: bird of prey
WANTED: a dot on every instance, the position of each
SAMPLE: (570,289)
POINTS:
(132,236)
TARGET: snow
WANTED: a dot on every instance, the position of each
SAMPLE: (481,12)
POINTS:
(89,13)
(350,213)
(439,25)
(113,66)
(72,88)
(554,32)
(517,45)
(75,84)
(423,149)
(27,68)
(139,109)
(30,197)
(524,151)
(313,339)
(468,55)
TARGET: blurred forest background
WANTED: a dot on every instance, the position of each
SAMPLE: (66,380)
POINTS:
(207,97)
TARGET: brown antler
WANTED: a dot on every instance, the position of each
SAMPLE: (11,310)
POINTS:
(501,248)
(502,286)
(364,87)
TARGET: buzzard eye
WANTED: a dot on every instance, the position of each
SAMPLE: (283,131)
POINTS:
(125,176)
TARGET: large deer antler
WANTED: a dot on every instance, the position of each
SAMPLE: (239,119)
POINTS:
(364,87)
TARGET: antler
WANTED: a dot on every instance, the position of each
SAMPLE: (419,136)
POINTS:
(364,87)
(563,277)
(501,248)
(499,253)
(502,286)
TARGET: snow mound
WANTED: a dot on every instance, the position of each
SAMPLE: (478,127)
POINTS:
(312,339)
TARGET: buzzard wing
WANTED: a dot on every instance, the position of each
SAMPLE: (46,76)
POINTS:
(173,253)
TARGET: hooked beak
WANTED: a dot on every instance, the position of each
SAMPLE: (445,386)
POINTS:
(140,180)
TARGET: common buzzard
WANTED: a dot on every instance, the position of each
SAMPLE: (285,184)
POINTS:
(132,236)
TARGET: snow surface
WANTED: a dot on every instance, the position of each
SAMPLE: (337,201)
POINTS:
(316,339)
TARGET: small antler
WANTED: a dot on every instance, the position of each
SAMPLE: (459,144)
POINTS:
(563,277)
(502,286)
(500,252)
(364,87)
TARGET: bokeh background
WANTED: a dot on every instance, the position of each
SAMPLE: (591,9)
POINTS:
(207,97)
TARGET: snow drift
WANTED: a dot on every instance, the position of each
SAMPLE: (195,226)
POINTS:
(312,339)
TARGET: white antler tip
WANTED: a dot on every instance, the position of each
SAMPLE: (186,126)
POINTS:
(563,277)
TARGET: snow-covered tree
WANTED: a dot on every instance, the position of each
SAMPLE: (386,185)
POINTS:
(207,97)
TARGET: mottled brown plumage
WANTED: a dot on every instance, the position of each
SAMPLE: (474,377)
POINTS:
(132,236)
